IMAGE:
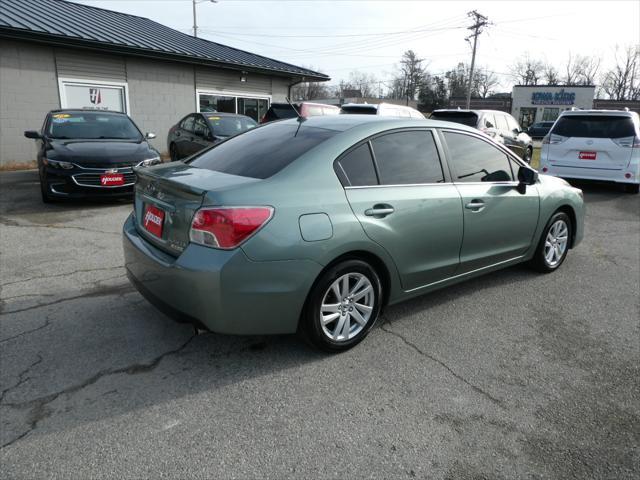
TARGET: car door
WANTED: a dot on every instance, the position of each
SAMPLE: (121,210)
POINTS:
(507,136)
(201,135)
(398,191)
(499,220)
(183,136)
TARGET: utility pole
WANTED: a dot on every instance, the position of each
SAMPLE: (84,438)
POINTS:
(195,21)
(480,21)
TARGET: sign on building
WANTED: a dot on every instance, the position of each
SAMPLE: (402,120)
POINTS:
(93,96)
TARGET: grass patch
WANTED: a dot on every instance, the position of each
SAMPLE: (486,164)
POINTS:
(535,158)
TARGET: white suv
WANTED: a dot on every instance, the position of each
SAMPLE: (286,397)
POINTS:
(594,145)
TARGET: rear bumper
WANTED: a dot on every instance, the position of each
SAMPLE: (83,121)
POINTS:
(221,290)
(589,173)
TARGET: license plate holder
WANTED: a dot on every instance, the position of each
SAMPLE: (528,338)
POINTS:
(153,220)
(112,179)
(587,155)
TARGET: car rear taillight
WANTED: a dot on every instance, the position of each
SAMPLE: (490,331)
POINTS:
(627,142)
(227,227)
(553,139)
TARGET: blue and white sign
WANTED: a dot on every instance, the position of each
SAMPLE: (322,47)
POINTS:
(550,98)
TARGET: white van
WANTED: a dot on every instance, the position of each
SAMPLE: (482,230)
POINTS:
(384,109)
(594,145)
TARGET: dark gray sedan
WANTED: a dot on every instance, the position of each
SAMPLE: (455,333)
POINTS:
(198,131)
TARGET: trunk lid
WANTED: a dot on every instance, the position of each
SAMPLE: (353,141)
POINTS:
(167,197)
(591,142)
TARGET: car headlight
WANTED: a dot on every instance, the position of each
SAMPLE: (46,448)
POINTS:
(58,164)
(149,161)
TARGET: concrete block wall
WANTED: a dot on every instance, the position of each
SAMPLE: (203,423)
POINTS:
(28,90)
(160,94)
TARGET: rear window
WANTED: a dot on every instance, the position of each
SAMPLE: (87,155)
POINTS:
(277,112)
(594,126)
(364,110)
(466,118)
(264,151)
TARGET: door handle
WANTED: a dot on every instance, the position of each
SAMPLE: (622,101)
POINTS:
(475,205)
(379,211)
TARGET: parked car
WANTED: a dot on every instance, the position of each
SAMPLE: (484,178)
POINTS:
(539,129)
(281,111)
(501,126)
(594,145)
(198,131)
(89,153)
(382,109)
(285,228)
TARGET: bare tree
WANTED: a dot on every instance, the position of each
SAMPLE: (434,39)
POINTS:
(572,72)
(412,74)
(581,70)
(486,82)
(527,70)
(551,75)
(588,69)
(622,82)
(309,90)
(367,83)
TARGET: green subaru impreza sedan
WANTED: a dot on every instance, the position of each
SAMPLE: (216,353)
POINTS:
(314,225)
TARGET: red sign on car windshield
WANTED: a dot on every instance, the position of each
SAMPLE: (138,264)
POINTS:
(111,179)
(587,155)
(153,220)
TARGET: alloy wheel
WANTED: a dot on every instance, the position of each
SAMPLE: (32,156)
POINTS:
(555,244)
(347,306)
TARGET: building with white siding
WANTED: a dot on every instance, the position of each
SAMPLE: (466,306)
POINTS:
(59,54)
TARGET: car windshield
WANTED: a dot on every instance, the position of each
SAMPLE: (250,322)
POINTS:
(466,118)
(92,125)
(262,152)
(594,126)
(229,126)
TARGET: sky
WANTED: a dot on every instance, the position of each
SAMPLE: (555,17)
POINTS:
(339,36)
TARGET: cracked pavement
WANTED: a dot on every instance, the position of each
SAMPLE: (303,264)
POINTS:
(512,375)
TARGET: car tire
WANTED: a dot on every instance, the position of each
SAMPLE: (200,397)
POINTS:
(173,152)
(632,188)
(528,154)
(46,196)
(334,321)
(554,244)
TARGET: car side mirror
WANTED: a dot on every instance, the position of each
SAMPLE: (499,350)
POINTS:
(149,135)
(35,135)
(526,176)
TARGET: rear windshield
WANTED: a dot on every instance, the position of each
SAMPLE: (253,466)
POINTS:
(278,112)
(594,126)
(360,110)
(92,125)
(466,118)
(229,126)
(262,152)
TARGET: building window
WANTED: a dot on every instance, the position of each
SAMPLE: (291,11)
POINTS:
(254,107)
(93,96)
(550,114)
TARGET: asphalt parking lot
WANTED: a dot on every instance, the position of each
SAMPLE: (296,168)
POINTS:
(513,375)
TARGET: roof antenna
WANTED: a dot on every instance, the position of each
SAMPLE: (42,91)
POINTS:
(300,117)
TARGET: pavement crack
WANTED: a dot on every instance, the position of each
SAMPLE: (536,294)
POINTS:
(45,277)
(38,406)
(12,223)
(475,388)
(22,378)
(27,332)
(119,289)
